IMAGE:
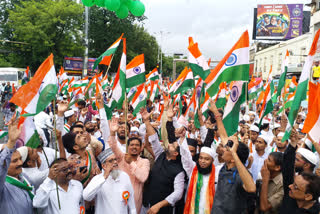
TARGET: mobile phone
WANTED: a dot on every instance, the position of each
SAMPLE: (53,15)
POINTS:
(82,168)
(230,143)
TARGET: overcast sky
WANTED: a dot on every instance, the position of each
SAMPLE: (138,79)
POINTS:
(215,24)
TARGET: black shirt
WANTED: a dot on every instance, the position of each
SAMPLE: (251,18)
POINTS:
(230,196)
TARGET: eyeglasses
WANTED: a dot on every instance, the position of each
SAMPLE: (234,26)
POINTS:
(295,187)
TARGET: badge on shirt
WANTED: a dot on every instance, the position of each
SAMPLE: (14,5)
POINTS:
(125,196)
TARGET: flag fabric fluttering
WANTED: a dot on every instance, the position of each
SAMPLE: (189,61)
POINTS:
(139,100)
(153,75)
(197,61)
(25,78)
(232,109)
(284,69)
(119,85)
(233,67)
(301,91)
(37,94)
(184,82)
(3,133)
(312,122)
(29,134)
(135,72)
(105,58)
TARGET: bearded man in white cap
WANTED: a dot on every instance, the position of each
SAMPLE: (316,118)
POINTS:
(112,189)
(202,175)
(254,133)
(280,146)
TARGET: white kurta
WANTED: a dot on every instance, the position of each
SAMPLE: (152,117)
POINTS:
(46,198)
(108,194)
(50,153)
(35,176)
(257,164)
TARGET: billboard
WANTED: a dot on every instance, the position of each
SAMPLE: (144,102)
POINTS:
(278,21)
(74,65)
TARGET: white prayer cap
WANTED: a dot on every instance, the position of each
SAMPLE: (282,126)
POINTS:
(136,120)
(254,128)
(308,143)
(97,116)
(64,97)
(276,125)
(247,124)
(156,112)
(75,109)
(93,121)
(252,112)
(59,98)
(207,150)
(264,121)
(23,152)
(69,113)
(281,134)
(265,138)
(161,102)
(246,118)
(134,129)
(301,126)
(307,154)
(302,114)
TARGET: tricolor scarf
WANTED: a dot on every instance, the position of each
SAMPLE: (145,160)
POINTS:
(193,196)
(67,127)
(22,185)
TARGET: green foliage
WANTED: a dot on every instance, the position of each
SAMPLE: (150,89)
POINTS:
(106,27)
(47,27)
(167,66)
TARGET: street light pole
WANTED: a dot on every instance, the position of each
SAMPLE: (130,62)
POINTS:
(86,43)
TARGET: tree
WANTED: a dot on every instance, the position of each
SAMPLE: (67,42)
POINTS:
(167,65)
(47,27)
(105,27)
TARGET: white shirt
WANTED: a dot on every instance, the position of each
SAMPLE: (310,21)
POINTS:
(46,198)
(257,164)
(50,153)
(42,120)
(35,176)
(108,194)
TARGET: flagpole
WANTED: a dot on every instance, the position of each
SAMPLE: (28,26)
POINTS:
(126,119)
(109,65)
(56,144)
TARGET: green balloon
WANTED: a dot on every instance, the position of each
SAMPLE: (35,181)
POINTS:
(137,8)
(88,3)
(123,11)
(100,3)
(113,5)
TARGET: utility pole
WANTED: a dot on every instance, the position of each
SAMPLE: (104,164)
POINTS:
(86,43)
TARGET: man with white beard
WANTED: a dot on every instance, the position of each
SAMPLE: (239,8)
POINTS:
(112,189)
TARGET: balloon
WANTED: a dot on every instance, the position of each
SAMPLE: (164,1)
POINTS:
(88,3)
(123,11)
(100,3)
(137,8)
(112,5)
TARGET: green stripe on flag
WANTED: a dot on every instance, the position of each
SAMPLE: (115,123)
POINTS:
(197,70)
(135,80)
(34,141)
(234,73)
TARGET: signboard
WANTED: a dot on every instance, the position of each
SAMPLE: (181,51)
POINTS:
(74,65)
(278,21)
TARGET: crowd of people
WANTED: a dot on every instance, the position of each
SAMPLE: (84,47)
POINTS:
(157,162)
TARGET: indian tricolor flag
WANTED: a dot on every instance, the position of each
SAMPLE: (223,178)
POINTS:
(221,99)
(184,83)
(301,91)
(25,78)
(37,94)
(106,57)
(29,134)
(81,83)
(197,62)
(293,84)
(232,109)
(3,133)
(153,75)
(254,88)
(105,82)
(288,102)
(312,122)
(136,72)
(139,100)
(284,69)
(119,87)
(233,67)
